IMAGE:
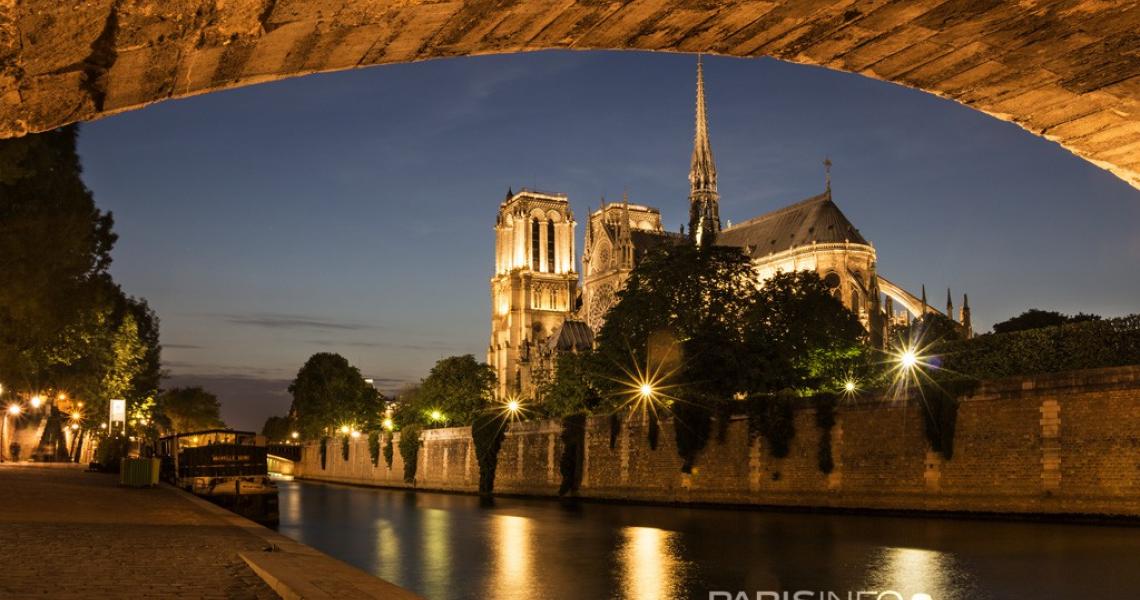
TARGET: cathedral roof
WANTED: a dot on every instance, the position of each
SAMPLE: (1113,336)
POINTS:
(647,241)
(816,219)
(572,336)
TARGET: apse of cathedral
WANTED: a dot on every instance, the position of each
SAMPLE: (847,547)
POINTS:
(539,311)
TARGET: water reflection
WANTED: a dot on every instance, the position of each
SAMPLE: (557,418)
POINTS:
(911,571)
(437,551)
(511,576)
(448,547)
(388,550)
(651,566)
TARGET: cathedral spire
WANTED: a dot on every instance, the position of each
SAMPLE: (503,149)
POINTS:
(704,214)
(827,173)
(967,322)
(949,305)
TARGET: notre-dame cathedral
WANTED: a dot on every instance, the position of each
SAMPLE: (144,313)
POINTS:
(541,307)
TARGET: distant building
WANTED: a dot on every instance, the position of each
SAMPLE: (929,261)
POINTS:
(538,311)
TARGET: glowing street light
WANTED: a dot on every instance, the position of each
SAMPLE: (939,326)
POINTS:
(513,406)
(75,426)
(344,429)
(75,416)
(435,415)
(645,389)
(14,410)
(295,435)
(908,359)
(355,434)
(37,400)
(849,386)
(388,424)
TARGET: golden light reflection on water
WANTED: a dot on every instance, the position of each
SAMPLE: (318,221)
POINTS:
(651,568)
(511,576)
(437,551)
(911,571)
(387,551)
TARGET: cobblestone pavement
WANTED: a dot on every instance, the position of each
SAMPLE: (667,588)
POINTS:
(65,533)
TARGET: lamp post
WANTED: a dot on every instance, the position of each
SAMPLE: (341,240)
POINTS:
(13,410)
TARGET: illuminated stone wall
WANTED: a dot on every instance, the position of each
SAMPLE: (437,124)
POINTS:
(1065,443)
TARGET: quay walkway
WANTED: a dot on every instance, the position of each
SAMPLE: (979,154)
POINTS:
(67,533)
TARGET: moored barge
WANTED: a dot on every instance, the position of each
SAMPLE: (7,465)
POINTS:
(226,467)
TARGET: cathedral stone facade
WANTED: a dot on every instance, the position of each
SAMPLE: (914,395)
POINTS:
(538,310)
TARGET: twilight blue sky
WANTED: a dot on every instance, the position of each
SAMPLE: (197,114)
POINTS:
(352,212)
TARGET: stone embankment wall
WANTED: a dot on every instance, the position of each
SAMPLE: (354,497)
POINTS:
(1067,443)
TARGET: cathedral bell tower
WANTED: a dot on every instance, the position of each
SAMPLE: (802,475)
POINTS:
(704,212)
(535,284)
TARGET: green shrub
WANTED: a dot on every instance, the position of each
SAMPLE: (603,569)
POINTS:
(692,423)
(374,447)
(573,452)
(940,401)
(388,449)
(771,417)
(410,451)
(825,419)
(1073,346)
(110,451)
(488,431)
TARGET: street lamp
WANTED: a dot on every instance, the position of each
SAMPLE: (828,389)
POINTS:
(36,401)
(908,359)
(388,424)
(295,435)
(344,429)
(14,410)
(849,386)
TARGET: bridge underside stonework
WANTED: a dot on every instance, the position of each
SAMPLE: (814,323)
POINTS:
(1068,70)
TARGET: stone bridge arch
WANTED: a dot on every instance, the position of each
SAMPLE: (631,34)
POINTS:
(1066,70)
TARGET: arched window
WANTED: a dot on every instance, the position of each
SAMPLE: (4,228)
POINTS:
(550,247)
(535,245)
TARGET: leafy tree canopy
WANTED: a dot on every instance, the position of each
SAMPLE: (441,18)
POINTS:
(329,393)
(64,323)
(277,429)
(800,337)
(1035,318)
(190,409)
(458,388)
(570,391)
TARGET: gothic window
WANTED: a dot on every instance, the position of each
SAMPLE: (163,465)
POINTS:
(535,245)
(550,247)
(855,301)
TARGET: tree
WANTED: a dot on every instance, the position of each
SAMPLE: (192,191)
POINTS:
(569,391)
(695,296)
(800,337)
(457,389)
(1035,318)
(54,253)
(329,393)
(277,429)
(65,324)
(190,409)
